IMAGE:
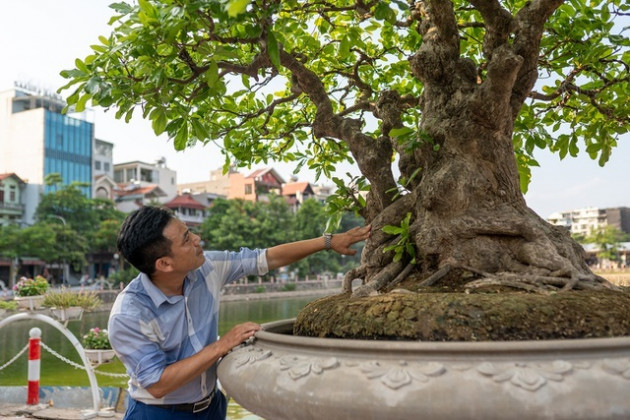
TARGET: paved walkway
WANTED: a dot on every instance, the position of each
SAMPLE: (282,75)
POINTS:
(42,411)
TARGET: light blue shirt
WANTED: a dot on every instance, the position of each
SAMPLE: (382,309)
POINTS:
(149,330)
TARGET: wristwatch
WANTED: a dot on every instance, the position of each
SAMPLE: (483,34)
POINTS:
(327,240)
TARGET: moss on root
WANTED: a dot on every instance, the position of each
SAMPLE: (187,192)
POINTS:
(468,317)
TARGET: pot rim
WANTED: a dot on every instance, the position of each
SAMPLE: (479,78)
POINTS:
(278,334)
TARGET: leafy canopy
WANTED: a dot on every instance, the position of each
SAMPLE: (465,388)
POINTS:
(226,72)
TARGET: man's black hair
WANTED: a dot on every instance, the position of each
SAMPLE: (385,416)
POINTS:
(141,240)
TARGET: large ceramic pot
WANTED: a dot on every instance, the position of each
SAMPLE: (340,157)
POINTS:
(30,303)
(280,376)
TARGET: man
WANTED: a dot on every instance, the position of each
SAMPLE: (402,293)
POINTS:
(163,325)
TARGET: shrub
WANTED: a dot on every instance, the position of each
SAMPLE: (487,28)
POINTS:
(67,298)
(96,339)
(289,287)
(8,304)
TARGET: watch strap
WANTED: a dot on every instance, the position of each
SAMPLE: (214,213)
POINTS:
(327,240)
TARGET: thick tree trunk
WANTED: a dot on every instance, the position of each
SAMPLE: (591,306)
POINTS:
(467,207)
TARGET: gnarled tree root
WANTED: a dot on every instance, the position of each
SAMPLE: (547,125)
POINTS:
(541,284)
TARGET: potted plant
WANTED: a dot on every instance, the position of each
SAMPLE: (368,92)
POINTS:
(29,293)
(67,305)
(97,347)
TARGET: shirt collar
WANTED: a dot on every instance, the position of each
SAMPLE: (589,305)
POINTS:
(157,296)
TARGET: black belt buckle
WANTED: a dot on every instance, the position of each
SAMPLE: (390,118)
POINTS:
(202,405)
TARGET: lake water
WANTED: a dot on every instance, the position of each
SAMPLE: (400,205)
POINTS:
(54,372)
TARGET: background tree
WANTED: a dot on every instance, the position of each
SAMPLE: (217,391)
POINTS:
(445,90)
(71,204)
(608,240)
(16,243)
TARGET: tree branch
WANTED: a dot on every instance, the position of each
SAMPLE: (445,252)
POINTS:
(497,22)
(528,27)
(435,61)
(372,155)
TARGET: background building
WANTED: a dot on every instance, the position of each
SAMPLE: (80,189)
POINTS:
(11,200)
(145,174)
(188,210)
(587,220)
(103,168)
(296,192)
(219,184)
(37,140)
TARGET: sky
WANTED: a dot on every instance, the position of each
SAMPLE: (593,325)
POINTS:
(42,37)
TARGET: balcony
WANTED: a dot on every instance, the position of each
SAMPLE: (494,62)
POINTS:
(11,207)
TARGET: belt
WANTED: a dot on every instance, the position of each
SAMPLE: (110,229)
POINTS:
(196,407)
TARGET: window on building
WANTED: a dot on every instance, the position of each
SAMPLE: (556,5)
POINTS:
(131,174)
(146,175)
(118,176)
(97,165)
(248,189)
(12,193)
(1,196)
(106,166)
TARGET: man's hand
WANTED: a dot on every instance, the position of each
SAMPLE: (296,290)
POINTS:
(236,336)
(341,242)
(185,370)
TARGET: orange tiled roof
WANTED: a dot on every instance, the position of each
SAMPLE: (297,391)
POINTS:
(185,201)
(292,188)
(121,192)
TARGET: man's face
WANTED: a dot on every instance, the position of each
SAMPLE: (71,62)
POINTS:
(186,251)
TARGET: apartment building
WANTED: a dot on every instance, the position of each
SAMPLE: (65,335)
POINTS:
(586,220)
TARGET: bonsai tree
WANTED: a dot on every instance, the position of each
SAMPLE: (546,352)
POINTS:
(449,92)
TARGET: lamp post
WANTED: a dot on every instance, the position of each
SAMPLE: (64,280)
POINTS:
(66,268)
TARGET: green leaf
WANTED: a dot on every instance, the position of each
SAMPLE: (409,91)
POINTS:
(80,65)
(245,80)
(80,106)
(344,47)
(181,139)
(199,130)
(121,7)
(159,121)
(236,7)
(212,74)
(392,230)
(273,49)
(399,132)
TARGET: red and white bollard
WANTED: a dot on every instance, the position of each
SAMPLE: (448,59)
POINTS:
(34,354)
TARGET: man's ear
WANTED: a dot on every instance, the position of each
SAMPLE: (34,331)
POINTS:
(163,264)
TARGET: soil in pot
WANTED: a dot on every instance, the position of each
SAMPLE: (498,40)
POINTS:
(433,315)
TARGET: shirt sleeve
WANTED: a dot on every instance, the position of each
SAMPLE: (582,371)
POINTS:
(229,266)
(131,339)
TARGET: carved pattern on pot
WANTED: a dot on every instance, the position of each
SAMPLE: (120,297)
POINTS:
(529,376)
(397,376)
(617,367)
(299,367)
(251,355)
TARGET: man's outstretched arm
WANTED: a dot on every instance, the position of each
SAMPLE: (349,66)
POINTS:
(285,254)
